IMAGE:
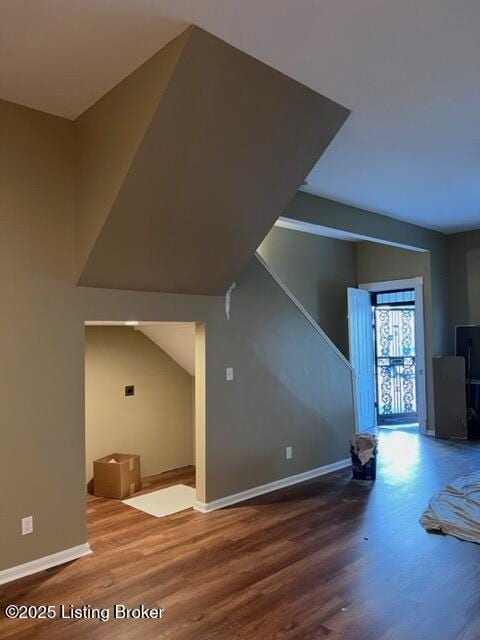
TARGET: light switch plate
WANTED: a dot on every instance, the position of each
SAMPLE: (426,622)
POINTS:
(288,453)
(229,374)
(27,525)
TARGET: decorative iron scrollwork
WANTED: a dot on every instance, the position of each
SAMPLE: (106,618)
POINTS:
(395,338)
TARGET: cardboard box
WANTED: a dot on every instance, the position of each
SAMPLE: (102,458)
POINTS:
(117,479)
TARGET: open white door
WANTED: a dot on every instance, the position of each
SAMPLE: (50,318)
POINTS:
(360,336)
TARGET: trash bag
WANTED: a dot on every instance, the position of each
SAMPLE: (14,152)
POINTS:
(364,445)
(363,451)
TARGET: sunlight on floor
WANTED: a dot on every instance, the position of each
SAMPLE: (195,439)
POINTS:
(399,456)
(413,426)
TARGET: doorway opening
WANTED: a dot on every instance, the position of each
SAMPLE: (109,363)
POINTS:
(395,358)
(386,340)
(144,416)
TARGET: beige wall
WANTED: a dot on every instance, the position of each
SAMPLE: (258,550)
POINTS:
(321,211)
(464,281)
(317,271)
(41,407)
(379,262)
(291,389)
(288,389)
(156,422)
(42,336)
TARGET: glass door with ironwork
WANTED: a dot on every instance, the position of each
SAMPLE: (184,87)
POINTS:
(394,328)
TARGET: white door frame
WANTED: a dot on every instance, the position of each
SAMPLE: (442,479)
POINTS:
(417,285)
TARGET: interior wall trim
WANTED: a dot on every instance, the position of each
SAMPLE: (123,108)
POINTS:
(339,234)
(47,562)
(206,507)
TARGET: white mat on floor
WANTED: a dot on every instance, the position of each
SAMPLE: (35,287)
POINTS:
(455,510)
(164,501)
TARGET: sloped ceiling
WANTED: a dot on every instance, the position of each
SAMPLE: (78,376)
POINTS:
(223,144)
(175,338)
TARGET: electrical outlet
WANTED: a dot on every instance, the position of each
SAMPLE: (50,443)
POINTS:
(288,453)
(27,525)
(229,374)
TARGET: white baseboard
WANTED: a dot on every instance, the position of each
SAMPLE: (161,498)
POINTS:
(206,507)
(429,432)
(47,562)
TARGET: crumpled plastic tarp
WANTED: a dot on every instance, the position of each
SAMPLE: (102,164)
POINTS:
(455,510)
(364,445)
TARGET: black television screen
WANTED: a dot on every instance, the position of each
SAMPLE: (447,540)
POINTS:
(467,340)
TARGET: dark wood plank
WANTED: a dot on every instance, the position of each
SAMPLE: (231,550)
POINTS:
(330,558)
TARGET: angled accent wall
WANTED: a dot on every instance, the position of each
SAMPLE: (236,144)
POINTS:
(108,135)
(224,141)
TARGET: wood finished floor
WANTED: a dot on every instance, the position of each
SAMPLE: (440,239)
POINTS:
(184,475)
(329,558)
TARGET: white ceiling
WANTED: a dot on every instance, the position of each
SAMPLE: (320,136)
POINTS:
(408,69)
